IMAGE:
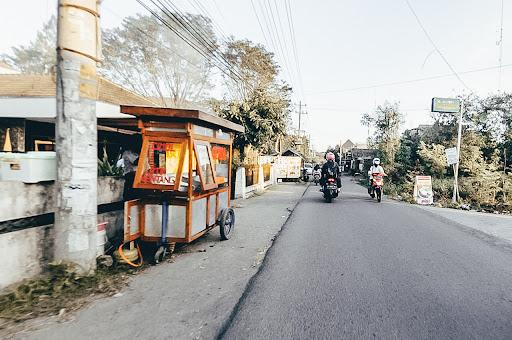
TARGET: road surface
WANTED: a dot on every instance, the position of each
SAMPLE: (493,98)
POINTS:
(357,269)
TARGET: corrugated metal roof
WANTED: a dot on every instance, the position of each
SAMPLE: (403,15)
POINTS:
(43,85)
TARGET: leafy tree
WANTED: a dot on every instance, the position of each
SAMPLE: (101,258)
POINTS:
(406,158)
(39,56)
(261,103)
(152,60)
(433,159)
(264,116)
(253,66)
(385,121)
(141,54)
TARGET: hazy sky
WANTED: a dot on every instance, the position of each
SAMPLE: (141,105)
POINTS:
(345,48)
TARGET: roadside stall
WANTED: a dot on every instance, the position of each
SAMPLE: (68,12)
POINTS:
(184,168)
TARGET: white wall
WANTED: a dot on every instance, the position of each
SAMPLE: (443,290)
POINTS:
(21,253)
(23,200)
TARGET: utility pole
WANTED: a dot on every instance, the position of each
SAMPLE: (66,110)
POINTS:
(78,51)
(300,114)
(455,196)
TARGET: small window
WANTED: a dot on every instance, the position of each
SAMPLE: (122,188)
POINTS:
(196,180)
(203,156)
(222,135)
(220,155)
(203,131)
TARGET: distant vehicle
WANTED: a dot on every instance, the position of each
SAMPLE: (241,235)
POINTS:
(317,174)
(309,168)
(307,171)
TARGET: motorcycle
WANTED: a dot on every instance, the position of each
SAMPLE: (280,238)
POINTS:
(316,176)
(330,189)
(376,186)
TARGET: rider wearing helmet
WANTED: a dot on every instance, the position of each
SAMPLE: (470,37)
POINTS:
(375,168)
(330,169)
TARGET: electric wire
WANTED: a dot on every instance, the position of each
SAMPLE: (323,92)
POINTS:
(259,23)
(140,30)
(278,39)
(500,43)
(435,46)
(194,31)
(192,37)
(280,29)
(410,80)
(185,39)
(202,36)
(294,44)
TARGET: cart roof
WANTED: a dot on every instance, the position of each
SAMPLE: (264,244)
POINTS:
(165,114)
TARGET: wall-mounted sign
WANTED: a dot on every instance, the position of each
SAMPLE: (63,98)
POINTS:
(452,156)
(450,105)
(423,193)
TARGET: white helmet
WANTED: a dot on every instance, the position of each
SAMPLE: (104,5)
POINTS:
(376,161)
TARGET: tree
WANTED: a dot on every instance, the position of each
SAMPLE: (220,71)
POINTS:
(264,115)
(254,65)
(152,60)
(385,122)
(141,55)
(260,102)
(406,158)
(39,56)
(433,159)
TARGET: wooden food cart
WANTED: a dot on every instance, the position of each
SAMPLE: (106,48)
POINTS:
(185,168)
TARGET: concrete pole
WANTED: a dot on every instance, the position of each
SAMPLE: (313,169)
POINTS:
(455,196)
(76,133)
(300,114)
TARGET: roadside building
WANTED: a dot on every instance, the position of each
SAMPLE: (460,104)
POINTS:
(27,124)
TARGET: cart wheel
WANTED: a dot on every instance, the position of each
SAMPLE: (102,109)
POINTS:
(226,223)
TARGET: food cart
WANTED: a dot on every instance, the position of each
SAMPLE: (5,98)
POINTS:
(184,168)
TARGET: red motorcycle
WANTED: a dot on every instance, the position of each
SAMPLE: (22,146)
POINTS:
(377,185)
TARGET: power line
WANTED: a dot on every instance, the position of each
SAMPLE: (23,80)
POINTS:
(200,45)
(201,9)
(411,80)
(500,43)
(272,28)
(140,30)
(284,44)
(194,31)
(294,43)
(435,46)
(181,36)
(259,23)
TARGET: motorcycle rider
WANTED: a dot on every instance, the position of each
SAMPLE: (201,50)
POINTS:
(330,167)
(375,168)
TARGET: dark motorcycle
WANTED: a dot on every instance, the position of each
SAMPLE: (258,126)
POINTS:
(330,189)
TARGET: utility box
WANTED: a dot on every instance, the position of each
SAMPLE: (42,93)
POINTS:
(30,167)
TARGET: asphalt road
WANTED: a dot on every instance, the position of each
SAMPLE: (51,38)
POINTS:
(357,269)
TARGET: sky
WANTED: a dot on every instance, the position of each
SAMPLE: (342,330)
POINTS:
(351,55)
